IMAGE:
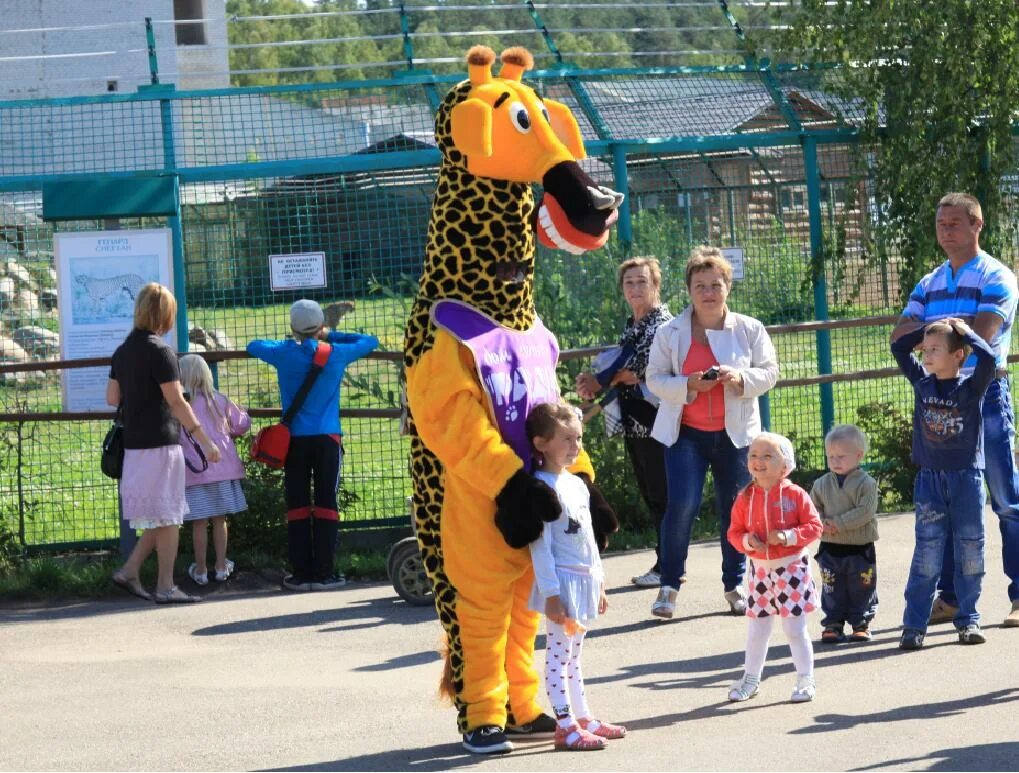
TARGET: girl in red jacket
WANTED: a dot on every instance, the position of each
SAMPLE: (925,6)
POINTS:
(773,522)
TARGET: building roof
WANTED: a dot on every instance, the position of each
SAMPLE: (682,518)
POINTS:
(693,106)
(251,127)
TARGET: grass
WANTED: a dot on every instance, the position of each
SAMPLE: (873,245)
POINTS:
(66,499)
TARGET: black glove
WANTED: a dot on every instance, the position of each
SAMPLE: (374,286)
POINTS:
(522,507)
(603,517)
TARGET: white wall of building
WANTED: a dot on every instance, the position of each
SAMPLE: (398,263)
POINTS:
(59,48)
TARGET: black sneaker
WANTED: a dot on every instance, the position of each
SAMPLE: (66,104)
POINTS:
(292,582)
(911,639)
(487,739)
(329,583)
(971,634)
(543,724)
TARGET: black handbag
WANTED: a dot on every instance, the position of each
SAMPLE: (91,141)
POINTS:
(111,462)
(198,451)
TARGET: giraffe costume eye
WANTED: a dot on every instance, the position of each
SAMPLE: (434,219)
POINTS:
(519,117)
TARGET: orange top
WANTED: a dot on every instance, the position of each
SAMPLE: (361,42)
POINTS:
(707,411)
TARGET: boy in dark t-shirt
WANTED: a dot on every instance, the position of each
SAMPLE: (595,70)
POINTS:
(949,491)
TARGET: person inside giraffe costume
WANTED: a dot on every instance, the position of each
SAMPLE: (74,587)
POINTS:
(477,358)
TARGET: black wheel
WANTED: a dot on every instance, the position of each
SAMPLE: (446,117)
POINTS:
(407,571)
(395,552)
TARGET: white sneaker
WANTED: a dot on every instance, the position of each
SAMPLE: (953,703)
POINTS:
(737,598)
(198,579)
(805,689)
(665,604)
(743,689)
(650,579)
(227,571)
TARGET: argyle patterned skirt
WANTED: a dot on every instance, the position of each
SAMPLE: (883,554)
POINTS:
(783,590)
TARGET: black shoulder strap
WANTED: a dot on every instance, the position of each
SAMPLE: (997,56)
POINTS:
(318,362)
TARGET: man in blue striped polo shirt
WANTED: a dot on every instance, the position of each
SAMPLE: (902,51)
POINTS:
(982,291)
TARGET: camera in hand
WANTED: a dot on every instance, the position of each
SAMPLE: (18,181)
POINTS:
(711,374)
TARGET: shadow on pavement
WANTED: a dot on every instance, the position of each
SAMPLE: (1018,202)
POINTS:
(244,586)
(713,670)
(987,756)
(403,661)
(824,723)
(446,756)
(371,613)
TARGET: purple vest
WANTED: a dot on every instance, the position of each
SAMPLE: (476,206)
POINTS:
(516,369)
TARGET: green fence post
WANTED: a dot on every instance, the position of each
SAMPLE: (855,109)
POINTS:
(150,40)
(764,405)
(170,165)
(823,337)
(624,226)
(408,44)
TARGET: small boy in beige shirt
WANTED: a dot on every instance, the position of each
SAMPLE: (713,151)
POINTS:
(846,499)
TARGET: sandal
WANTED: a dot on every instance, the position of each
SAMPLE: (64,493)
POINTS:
(174,596)
(602,729)
(228,569)
(860,633)
(198,579)
(832,635)
(575,739)
(132,585)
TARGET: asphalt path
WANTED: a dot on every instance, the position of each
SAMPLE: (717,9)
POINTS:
(346,680)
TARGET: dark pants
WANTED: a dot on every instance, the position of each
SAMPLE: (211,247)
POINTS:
(647,456)
(312,524)
(849,587)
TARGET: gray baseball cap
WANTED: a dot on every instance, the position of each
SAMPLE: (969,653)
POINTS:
(306,316)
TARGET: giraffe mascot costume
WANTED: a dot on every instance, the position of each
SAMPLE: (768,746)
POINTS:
(477,358)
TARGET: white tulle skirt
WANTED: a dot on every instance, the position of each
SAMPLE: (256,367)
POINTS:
(579,594)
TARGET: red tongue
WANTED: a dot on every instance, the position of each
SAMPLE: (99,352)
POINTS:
(566,229)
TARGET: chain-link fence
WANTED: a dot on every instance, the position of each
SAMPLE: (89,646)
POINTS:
(735,156)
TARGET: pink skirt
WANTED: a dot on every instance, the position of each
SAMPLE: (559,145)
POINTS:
(152,487)
(786,591)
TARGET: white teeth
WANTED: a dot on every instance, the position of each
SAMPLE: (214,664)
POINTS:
(553,234)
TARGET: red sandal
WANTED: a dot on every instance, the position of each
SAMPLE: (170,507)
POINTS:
(575,739)
(602,729)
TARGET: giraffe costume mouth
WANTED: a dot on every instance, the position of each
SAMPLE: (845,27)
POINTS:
(575,213)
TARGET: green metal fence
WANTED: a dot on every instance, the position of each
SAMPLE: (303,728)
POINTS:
(735,156)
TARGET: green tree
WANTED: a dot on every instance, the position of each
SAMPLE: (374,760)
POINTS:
(937,84)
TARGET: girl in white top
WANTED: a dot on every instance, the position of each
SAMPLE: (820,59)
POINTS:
(569,584)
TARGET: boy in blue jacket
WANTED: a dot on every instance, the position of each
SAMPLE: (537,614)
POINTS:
(949,488)
(316,446)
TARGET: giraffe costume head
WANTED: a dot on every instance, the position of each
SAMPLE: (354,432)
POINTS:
(503,130)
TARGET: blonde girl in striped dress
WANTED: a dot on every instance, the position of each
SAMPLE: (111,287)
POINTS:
(216,492)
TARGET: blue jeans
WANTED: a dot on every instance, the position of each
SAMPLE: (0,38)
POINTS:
(686,466)
(949,508)
(1003,485)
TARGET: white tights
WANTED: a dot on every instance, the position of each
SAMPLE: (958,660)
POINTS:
(795,627)
(564,681)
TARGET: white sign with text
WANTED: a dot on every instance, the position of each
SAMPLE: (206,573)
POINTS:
(735,257)
(99,274)
(298,271)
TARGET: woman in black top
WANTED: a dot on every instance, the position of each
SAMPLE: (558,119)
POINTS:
(145,383)
(640,280)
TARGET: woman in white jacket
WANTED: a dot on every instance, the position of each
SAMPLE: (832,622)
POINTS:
(708,366)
